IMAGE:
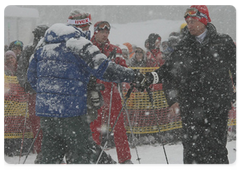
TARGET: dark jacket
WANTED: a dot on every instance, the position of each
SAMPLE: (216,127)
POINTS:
(197,75)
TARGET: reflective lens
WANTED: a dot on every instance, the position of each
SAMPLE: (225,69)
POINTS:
(104,25)
(192,12)
(19,43)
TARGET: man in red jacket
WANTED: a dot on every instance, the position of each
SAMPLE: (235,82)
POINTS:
(100,39)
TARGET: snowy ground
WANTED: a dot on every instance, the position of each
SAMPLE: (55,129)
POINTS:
(149,154)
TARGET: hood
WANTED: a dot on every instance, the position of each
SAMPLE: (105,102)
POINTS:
(60,33)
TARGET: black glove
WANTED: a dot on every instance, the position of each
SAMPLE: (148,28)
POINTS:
(148,79)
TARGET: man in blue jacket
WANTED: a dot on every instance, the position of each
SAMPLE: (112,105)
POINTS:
(59,72)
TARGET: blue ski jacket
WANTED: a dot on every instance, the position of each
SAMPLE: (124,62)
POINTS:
(60,68)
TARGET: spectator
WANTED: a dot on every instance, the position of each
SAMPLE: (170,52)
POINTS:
(125,54)
(10,63)
(154,41)
(197,83)
(130,49)
(100,39)
(59,72)
(17,48)
(138,59)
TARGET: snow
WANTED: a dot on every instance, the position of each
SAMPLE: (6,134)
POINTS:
(149,154)
(14,11)
(136,33)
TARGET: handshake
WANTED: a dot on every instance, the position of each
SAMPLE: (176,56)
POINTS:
(142,81)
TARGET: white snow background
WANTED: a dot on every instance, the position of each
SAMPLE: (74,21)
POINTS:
(136,33)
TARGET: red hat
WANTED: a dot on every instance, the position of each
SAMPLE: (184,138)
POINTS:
(203,17)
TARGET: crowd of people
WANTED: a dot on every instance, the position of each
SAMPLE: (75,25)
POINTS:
(58,103)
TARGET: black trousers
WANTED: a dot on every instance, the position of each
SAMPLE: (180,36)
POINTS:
(205,136)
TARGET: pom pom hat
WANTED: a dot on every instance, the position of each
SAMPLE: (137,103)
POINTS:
(80,19)
(198,12)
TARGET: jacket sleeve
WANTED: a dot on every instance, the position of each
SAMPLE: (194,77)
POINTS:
(97,63)
(163,75)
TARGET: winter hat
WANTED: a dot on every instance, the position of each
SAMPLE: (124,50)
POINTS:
(130,49)
(152,39)
(16,43)
(201,14)
(183,25)
(101,25)
(124,47)
(78,18)
(39,31)
(9,52)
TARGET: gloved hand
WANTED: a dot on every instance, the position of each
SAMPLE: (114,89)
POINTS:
(142,82)
(148,79)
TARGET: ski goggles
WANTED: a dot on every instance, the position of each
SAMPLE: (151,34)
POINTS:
(103,25)
(18,43)
(193,12)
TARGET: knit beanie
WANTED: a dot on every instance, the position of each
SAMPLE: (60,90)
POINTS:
(78,18)
(16,43)
(203,10)
(9,52)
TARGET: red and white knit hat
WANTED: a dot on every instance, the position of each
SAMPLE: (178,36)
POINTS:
(78,18)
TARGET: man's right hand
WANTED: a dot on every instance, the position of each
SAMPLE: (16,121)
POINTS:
(142,82)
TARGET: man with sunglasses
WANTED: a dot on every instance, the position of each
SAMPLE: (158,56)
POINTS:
(111,96)
(59,72)
(196,79)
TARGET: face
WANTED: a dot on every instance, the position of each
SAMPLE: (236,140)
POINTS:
(17,50)
(139,55)
(195,27)
(10,60)
(102,36)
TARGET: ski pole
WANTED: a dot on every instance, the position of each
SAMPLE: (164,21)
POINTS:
(124,104)
(110,108)
(24,127)
(32,144)
(130,126)
(151,100)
